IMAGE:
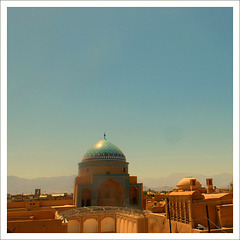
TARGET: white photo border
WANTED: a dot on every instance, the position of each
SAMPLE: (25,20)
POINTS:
(6,4)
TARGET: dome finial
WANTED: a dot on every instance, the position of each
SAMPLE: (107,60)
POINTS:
(104,136)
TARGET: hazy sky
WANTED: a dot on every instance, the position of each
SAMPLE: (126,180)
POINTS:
(158,81)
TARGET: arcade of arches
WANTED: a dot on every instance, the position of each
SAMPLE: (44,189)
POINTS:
(109,224)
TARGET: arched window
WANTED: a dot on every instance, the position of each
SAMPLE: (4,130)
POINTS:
(86,197)
(133,195)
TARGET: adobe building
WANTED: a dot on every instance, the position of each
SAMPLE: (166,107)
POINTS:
(185,212)
(182,211)
(37,216)
(192,184)
(103,179)
(187,205)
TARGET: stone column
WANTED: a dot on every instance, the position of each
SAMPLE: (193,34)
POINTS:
(172,208)
(185,210)
(180,209)
(176,209)
(191,221)
(81,225)
(99,224)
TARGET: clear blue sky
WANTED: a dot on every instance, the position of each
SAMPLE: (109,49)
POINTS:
(158,81)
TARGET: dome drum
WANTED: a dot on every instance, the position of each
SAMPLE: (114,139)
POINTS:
(103,163)
(103,157)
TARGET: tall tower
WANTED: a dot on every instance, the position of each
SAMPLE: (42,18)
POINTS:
(103,179)
(209,183)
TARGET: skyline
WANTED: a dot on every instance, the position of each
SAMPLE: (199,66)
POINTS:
(158,81)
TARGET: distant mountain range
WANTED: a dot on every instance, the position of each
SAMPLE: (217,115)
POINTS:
(66,183)
(47,185)
(170,182)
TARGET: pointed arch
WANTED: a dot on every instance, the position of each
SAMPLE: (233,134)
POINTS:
(86,197)
(134,195)
(110,193)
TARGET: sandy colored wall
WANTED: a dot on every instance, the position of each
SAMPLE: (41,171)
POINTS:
(32,204)
(132,179)
(145,200)
(38,226)
(199,213)
(83,180)
(225,214)
(45,203)
(16,205)
(159,197)
(36,214)
(56,202)
(158,209)
(142,226)
(160,224)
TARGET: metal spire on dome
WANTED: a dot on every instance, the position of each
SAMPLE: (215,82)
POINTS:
(104,136)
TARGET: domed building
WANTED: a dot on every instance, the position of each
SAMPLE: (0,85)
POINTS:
(189,184)
(103,179)
(192,184)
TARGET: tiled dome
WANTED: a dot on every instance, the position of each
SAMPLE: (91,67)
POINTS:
(104,150)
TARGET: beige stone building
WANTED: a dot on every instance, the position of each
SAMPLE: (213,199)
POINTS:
(185,212)
(103,179)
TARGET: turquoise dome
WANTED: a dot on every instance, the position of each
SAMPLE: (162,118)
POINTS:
(104,150)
